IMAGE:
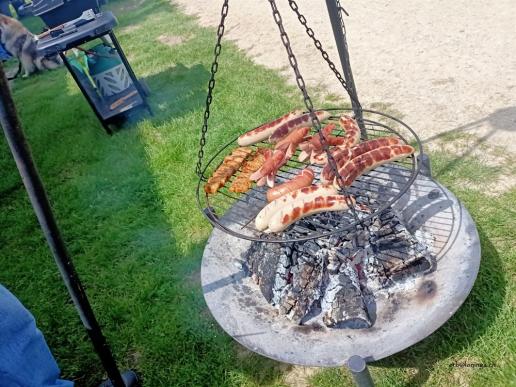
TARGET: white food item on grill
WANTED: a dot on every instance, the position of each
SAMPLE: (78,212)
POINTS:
(302,207)
(264,216)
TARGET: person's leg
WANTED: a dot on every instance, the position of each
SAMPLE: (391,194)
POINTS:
(25,359)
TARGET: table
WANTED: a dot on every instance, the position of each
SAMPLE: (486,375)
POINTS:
(102,27)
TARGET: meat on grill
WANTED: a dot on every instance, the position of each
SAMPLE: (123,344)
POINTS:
(264,131)
(352,135)
(243,182)
(274,160)
(225,170)
(303,179)
(370,160)
(350,138)
(343,155)
(305,193)
(300,208)
(313,145)
(295,123)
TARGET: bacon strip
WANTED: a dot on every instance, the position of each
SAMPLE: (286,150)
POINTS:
(370,160)
(343,155)
(295,123)
(264,131)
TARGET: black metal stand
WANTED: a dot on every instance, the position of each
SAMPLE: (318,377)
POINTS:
(37,195)
(342,47)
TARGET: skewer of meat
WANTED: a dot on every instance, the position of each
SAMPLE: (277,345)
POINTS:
(303,179)
(226,169)
(343,155)
(306,193)
(370,160)
(243,182)
(299,122)
(264,131)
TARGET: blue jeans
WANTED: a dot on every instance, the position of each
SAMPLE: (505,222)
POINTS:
(4,8)
(25,359)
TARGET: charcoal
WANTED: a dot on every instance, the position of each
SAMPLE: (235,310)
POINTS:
(262,261)
(334,278)
(343,305)
(305,288)
(281,279)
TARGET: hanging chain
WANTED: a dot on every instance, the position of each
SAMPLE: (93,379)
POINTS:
(318,45)
(309,105)
(211,86)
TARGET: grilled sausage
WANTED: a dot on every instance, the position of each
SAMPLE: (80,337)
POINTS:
(272,163)
(295,123)
(301,208)
(343,155)
(314,145)
(264,216)
(352,135)
(370,160)
(294,138)
(303,179)
(264,131)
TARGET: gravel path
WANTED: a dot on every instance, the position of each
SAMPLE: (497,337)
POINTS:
(443,65)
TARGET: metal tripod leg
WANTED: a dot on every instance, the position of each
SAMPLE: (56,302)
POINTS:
(38,198)
(358,368)
(342,48)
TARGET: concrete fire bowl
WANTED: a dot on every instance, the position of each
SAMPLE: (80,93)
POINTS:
(420,307)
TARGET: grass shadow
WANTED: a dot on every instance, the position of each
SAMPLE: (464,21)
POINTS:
(177,91)
(136,238)
(501,120)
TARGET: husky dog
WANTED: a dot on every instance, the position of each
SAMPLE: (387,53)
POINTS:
(21,43)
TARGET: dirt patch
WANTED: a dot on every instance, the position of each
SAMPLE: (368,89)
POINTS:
(442,74)
(171,40)
(297,376)
(489,155)
(131,5)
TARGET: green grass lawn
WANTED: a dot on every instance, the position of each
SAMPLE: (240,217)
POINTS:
(126,206)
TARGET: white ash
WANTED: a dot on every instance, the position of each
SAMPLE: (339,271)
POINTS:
(343,304)
(338,277)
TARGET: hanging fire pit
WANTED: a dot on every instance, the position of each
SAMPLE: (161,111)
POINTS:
(332,242)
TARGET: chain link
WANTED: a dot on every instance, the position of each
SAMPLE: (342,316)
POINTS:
(309,105)
(211,86)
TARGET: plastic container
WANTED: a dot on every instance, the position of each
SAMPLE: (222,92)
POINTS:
(108,71)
